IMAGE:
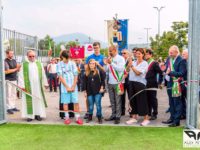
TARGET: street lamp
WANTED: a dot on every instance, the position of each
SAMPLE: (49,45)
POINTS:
(159,9)
(147,35)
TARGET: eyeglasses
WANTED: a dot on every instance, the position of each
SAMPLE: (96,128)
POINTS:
(92,63)
(31,56)
(123,53)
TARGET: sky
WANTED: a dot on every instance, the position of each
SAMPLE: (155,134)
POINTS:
(58,17)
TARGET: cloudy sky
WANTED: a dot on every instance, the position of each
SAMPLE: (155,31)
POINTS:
(57,17)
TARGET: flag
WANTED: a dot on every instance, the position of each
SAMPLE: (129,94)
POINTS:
(111,32)
(89,50)
(49,49)
(77,52)
(118,33)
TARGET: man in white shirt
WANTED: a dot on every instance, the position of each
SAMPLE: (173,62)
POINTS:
(115,66)
(51,68)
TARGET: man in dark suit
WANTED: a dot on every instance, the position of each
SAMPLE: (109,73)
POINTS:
(175,72)
(152,82)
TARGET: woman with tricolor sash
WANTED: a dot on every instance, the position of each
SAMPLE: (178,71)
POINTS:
(139,105)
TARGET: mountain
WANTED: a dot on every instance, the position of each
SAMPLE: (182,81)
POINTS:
(82,39)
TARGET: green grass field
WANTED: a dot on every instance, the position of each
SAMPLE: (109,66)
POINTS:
(60,137)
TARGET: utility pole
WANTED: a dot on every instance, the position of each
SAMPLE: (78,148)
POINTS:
(147,35)
(159,9)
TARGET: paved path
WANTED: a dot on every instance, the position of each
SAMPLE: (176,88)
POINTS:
(53,111)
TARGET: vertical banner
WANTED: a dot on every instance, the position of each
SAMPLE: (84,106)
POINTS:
(88,50)
(118,33)
(77,52)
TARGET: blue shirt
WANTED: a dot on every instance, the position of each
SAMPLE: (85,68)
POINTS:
(98,58)
(68,72)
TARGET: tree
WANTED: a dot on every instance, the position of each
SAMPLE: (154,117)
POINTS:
(178,36)
(72,44)
(43,44)
(104,51)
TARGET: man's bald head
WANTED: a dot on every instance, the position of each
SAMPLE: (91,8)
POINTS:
(112,50)
(174,51)
(31,55)
(185,54)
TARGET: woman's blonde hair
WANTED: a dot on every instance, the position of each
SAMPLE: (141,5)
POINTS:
(87,71)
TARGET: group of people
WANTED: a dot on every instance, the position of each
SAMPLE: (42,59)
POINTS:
(131,73)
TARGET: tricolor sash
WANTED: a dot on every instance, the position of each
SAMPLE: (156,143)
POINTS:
(176,87)
(150,62)
(28,86)
(120,86)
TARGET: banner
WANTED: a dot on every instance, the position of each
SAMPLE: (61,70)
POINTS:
(89,50)
(118,33)
(77,52)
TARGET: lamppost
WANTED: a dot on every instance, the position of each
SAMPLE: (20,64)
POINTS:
(159,9)
(147,35)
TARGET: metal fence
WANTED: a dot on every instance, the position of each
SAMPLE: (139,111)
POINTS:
(18,42)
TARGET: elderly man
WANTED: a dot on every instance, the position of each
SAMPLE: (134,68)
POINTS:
(115,67)
(32,79)
(175,72)
(184,87)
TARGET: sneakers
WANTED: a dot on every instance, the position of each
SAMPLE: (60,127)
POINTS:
(15,109)
(145,123)
(67,121)
(131,121)
(79,121)
(10,112)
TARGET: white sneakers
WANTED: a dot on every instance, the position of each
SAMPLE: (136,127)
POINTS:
(145,123)
(133,120)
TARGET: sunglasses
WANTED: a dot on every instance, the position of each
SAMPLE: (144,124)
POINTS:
(31,56)
(124,53)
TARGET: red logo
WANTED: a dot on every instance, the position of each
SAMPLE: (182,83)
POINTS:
(90,48)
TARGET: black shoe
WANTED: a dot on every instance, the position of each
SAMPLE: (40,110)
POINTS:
(169,121)
(100,121)
(123,113)
(86,115)
(38,118)
(15,109)
(110,119)
(29,120)
(10,112)
(89,118)
(117,121)
(174,125)
(183,117)
(154,117)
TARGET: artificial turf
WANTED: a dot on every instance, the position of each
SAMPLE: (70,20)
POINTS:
(60,137)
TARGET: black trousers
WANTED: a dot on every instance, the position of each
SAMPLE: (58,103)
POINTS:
(152,102)
(139,103)
(183,99)
(123,97)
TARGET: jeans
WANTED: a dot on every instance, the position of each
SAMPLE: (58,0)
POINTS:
(95,99)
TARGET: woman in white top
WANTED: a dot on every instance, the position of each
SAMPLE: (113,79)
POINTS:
(137,82)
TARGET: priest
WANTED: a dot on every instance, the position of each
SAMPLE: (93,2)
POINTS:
(32,79)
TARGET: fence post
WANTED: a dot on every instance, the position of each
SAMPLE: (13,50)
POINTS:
(193,65)
(2,78)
